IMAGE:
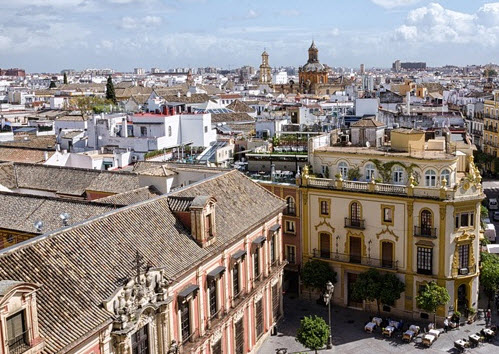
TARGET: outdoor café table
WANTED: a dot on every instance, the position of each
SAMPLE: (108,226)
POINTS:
(428,339)
(474,338)
(370,327)
(488,332)
(388,330)
(461,344)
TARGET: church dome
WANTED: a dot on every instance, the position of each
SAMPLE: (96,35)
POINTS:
(314,66)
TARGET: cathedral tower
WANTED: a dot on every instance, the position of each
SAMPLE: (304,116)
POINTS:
(265,71)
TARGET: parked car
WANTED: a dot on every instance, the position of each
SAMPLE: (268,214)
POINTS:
(493,204)
(496,216)
(490,232)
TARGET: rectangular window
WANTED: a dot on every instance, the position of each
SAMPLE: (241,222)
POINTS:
(185,321)
(143,131)
(324,208)
(272,249)
(290,226)
(212,287)
(464,256)
(291,254)
(140,341)
(276,302)
(235,281)
(425,260)
(239,337)
(206,129)
(256,263)
(466,219)
(16,333)
(259,318)
(387,215)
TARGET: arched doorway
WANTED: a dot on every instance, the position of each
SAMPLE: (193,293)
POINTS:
(462,299)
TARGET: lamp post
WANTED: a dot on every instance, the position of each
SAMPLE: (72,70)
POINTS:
(327,299)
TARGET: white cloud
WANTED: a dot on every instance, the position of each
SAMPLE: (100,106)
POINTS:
(130,23)
(5,42)
(289,13)
(252,14)
(390,4)
(435,24)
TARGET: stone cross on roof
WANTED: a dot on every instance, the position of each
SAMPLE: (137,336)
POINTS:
(137,265)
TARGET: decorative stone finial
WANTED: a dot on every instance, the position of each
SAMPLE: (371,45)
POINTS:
(305,171)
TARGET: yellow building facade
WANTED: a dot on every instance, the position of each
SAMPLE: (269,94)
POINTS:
(490,125)
(415,213)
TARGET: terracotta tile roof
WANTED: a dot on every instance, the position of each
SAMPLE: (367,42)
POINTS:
(7,175)
(82,265)
(33,142)
(131,197)
(20,211)
(22,155)
(73,181)
(368,122)
(231,117)
(240,107)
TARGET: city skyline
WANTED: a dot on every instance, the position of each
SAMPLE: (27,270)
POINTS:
(51,35)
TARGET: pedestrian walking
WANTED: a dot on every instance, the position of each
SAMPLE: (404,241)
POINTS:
(446,324)
(488,317)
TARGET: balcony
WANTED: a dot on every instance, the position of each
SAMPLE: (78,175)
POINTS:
(18,344)
(425,231)
(356,259)
(354,223)
(466,271)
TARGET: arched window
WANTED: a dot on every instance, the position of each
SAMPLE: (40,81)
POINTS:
(355,214)
(291,208)
(445,175)
(343,169)
(426,220)
(398,175)
(430,178)
(370,170)
(169,130)
(325,244)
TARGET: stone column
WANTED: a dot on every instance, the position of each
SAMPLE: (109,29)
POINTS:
(201,298)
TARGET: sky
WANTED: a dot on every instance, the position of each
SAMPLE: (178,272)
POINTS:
(51,35)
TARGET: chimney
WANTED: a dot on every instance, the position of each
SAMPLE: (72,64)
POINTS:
(203,227)
(124,129)
(45,155)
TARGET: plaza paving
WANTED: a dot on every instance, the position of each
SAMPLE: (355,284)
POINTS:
(349,336)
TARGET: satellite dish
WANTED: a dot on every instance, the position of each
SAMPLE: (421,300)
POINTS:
(64,217)
(38,225)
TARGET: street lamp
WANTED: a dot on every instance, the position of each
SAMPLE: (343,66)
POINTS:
(327,299)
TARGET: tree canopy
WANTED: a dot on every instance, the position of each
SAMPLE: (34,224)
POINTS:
(110,94)
(374,286)
(313,332)
(52,84)
(489,274)
(90,104)
(65,80)
(315,274)
(432,297)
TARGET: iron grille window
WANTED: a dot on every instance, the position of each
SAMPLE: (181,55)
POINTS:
(275,302)
(17,333)
(256,263)
(259,318)
(291,208)
(425,260)
(324,207)
(217,347)
(213,297)
(464,256)
(185,321)
(272,249)
(239,336)
(140,341)
(291,254)
(235,280)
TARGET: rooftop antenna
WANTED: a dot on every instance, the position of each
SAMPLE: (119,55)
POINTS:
(64,217)
(38,225)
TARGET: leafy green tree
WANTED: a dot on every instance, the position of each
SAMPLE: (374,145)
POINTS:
(52,84)
(432,297)
(315,274)
(110,94)
(374,286)
(313,333)
(90,104)
(65,79)
(489,274)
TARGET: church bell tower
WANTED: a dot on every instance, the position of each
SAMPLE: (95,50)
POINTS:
(265,71)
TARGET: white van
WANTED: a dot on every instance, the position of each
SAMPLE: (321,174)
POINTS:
(493,204)
(490,232)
